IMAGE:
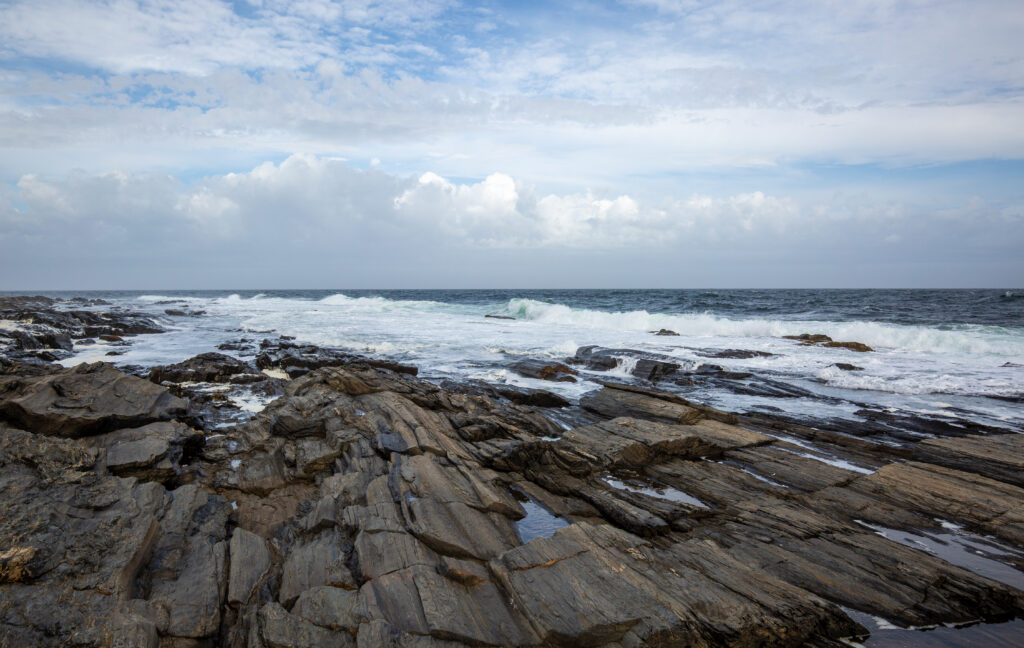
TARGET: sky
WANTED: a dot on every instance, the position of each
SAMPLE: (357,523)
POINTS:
(150,144)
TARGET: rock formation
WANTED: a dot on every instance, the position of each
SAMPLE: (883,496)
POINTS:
(367,507)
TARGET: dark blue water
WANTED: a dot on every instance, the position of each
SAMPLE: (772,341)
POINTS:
(1002,307)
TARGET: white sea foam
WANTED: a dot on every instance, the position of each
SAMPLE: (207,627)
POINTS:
(448,340)
(973,339)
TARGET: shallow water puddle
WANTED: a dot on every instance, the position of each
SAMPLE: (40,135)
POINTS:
(886,635)
(753,473)
(539,522)
(660,491)
(977,554)
(249,403)
(818,455)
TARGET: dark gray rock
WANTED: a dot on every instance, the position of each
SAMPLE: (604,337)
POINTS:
(250,561)
(299,359)
(998,456)
(665,332)
(320,561)
(734,354)
(83,400)
(152,452)
(207,367)
(379,508)
(279,629)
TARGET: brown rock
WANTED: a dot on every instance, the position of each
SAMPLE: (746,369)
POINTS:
(419,600)
(634,442)
(809,338)
(852,346)
(665,332)
(554,371)
(971,499)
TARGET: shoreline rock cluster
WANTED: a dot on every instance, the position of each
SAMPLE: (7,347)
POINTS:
(366,507)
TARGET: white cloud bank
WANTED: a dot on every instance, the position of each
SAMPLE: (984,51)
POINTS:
(313,221)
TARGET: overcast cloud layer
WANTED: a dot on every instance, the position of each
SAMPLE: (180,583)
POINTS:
(264,143)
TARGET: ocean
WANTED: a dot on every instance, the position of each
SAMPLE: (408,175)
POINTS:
(944,363)
(942,354)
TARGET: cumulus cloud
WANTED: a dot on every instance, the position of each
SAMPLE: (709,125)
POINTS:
(311,217)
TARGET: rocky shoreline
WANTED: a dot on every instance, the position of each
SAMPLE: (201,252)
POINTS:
(364,506)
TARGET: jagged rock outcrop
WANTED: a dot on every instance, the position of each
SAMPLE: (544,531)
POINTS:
(207,367)
(299,359)
(42,329)
(105,558)
(365,507)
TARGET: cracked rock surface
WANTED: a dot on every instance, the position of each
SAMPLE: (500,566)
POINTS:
(366,507)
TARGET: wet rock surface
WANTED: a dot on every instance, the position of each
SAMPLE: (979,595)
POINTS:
(553,371)
(367,507)
(808,339)
(299,359)
(43,329)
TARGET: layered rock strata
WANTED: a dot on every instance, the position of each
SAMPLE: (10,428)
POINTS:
(366,507)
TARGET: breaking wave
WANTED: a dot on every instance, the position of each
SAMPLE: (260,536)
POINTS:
(968,338)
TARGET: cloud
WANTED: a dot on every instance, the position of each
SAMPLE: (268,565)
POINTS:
(687,128)
(197,37)
(310,213)
(631,92)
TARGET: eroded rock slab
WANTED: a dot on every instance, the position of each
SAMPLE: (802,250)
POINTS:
(86,399)
(998,456)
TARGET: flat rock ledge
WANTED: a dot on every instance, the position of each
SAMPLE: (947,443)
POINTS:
(366,507)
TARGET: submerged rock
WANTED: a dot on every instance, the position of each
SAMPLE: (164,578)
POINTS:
(735,354)
(809,339)
(594,358)
(860,347)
